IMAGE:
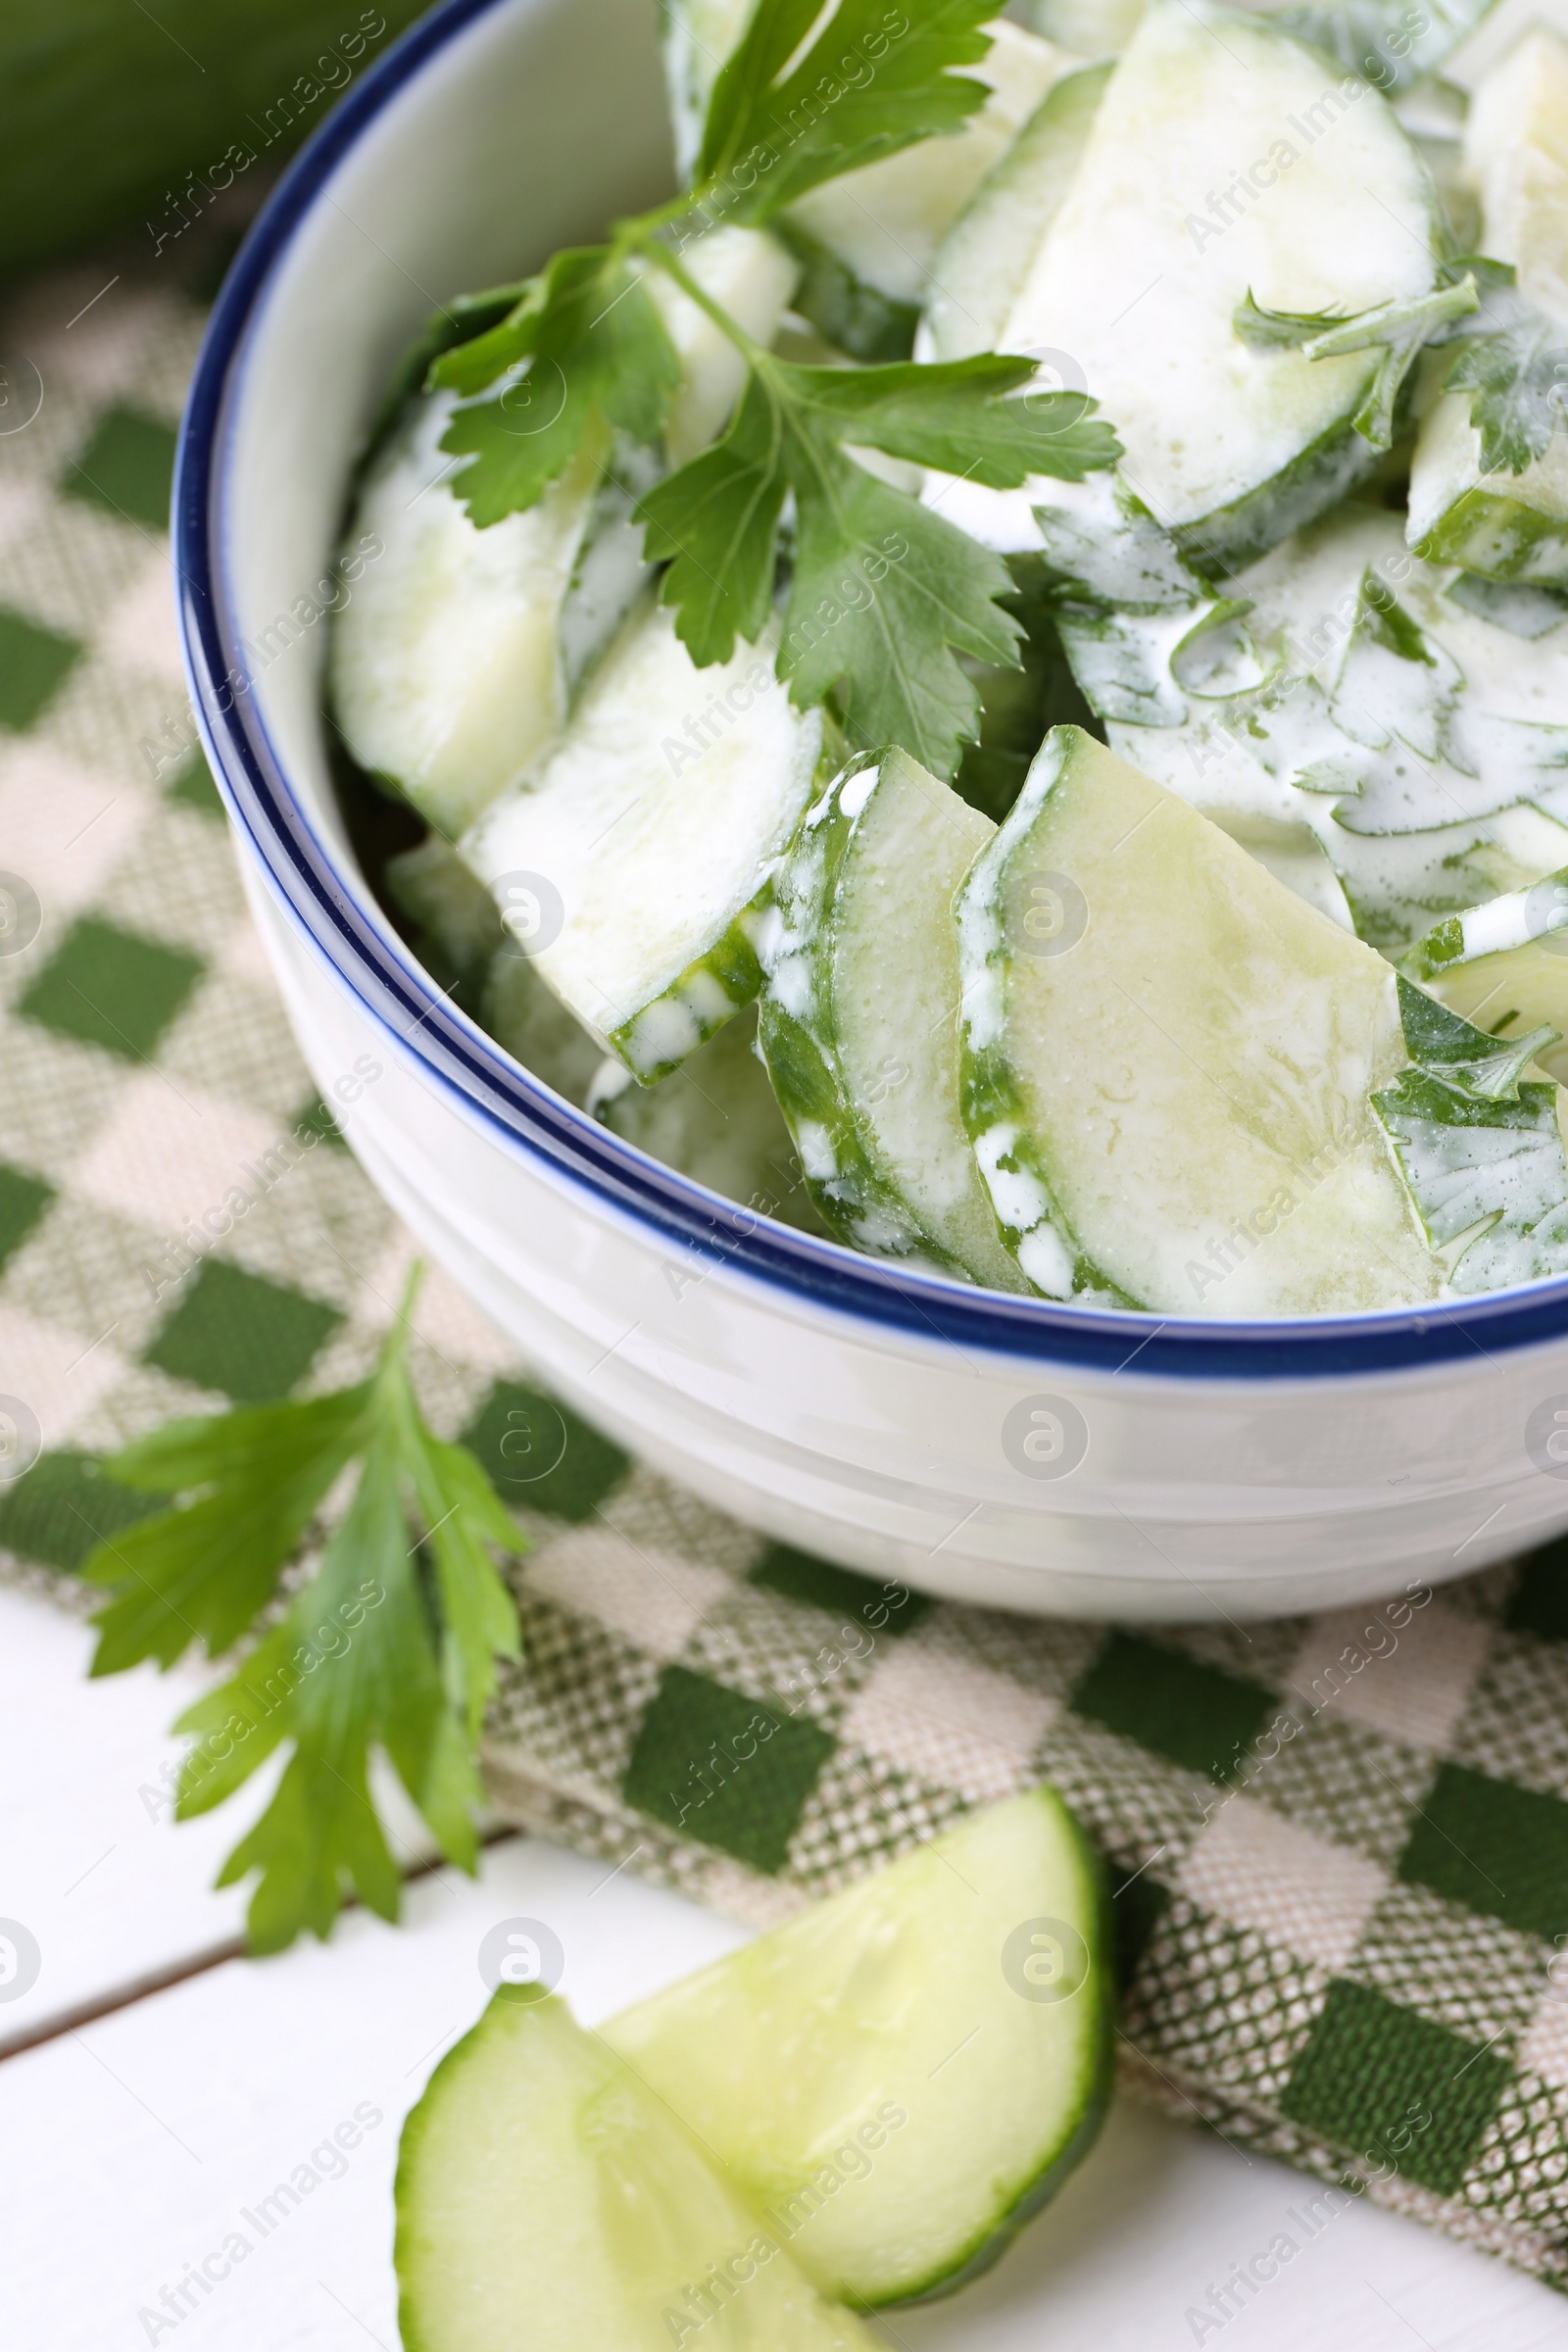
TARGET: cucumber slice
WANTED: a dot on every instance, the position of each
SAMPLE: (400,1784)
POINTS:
(1503,964)
(1509,527)
(547,2202)
(1171,1095)
(899,2077)
(859,1019)
(984,260)
(635,849)
(446,666)
(1142,272)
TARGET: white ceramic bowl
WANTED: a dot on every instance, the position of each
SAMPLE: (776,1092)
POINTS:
(994,1450)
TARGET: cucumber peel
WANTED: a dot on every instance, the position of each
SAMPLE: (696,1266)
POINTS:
(984,258)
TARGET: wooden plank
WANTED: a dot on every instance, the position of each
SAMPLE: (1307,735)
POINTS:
(89,1862)
(115,1896)
(152,2140)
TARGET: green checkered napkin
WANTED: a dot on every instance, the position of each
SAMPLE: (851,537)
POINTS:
(1337,1929)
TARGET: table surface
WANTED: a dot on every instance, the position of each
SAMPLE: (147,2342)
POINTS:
(154,2087)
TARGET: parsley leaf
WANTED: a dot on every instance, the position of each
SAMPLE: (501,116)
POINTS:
(875,80)
(1515,360)
(1397,329)
(391,1644)
(884,592)
(595,348)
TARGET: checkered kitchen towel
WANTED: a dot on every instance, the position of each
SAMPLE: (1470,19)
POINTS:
(1340,1844)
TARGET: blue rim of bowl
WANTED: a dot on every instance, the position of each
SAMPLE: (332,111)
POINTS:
(321,900)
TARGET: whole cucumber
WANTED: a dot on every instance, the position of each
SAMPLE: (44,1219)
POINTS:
(114,119)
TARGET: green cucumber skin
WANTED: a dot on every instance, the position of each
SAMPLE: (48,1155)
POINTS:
(1327,471)
(990,1094)
(730,967)
(990,2248)
(804,1068)
(1501,538)
(806,1081)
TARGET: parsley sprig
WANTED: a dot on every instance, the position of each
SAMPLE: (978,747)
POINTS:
(583,350)
(1512,360)
(1398,332)
(390,1645)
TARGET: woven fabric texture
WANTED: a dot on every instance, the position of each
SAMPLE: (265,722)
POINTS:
(1338,1845)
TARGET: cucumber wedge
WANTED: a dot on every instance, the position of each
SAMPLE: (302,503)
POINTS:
(859,1019)
(1511,523)
(447,673)
(1224,159)
(984,260)
(635,850)
(1503,964)
(548,2202)
(1174,1104)
(898,2079)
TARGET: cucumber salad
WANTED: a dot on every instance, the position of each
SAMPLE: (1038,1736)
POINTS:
(989,680)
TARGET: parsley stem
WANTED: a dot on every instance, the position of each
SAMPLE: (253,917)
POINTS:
(634,232)
(397,1337)
(674,266)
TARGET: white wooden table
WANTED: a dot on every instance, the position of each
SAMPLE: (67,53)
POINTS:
(155,2087)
